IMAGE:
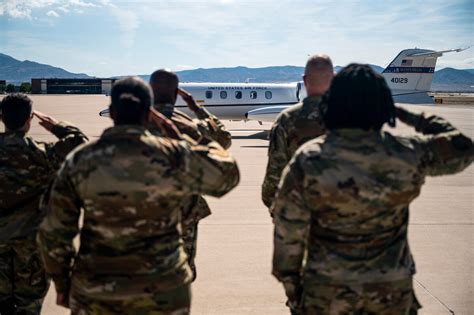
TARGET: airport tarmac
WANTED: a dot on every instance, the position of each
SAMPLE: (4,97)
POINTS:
(235,243)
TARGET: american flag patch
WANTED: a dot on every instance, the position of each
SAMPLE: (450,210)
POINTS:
(407,62)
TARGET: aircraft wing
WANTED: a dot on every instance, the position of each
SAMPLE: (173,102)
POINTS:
(266,114)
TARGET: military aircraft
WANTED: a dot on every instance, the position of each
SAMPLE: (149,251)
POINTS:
(409,76)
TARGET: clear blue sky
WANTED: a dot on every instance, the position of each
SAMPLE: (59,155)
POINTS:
(107,37)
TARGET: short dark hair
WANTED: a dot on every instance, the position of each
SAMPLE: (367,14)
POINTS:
(165,86)
(318,62)
(131,101)
(358,98)
(16,108)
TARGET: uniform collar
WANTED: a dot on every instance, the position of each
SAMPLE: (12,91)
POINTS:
(166,109)
(15,133)
(312,101)
(355,134)
(123,130)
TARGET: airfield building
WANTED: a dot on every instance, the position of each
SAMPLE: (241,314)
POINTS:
(71,86)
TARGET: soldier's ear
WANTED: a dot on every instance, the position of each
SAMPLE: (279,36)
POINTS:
(305,80)
(26,127)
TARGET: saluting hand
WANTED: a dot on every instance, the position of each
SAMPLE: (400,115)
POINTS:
(408,117)
(188,98)
(47,122)
(166,126)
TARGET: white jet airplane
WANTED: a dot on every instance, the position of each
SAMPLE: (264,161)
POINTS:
(409,76)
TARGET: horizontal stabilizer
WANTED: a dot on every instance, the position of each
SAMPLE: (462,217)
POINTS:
(410,97)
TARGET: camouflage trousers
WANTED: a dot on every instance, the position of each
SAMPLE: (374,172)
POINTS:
(194,210)
(386,298)
(23,282)
(190,245)
(173,302)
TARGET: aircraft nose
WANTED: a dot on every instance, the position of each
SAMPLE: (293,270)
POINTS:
(104,113)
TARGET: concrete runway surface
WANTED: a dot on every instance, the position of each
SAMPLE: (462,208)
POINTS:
(235,243)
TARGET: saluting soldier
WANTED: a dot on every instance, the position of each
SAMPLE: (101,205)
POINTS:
(165,89)
(297,124)
(27,167)
(344,200)
(130,184)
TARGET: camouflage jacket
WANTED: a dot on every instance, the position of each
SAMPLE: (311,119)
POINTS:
(344,198)
(293,127)
(208,126)
(26,169)
(130,185)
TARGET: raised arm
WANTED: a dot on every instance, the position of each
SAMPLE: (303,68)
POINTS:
(292,221)
(58,229)
(209,125)
(213,128)
(277,160)
(443,149)
(69,137)
(207,169)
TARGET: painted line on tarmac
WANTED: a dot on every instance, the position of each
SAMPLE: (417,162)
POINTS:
(434,297)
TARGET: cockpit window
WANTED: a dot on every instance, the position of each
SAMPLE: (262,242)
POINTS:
(238,95)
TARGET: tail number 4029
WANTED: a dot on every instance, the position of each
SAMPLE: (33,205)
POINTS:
(399,80)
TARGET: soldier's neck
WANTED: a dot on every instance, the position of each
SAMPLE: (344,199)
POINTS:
(164,108)
(24,130)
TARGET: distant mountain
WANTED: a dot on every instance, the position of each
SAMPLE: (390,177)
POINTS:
(376,68)
(275,74)
(240,74)
(453,76)
(453,80)
(243,74)
(17,71)
(469,70)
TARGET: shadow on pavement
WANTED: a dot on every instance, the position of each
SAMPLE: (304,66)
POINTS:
(263,135)
(254,146)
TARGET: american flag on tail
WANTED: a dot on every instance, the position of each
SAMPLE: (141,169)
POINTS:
(407,62)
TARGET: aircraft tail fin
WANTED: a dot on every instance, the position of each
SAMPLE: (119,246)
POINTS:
(411,72)
(413,69)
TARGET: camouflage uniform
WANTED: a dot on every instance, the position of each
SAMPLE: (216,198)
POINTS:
(344,200)
(130,185)
(293,127)
(26,169)
(195,208)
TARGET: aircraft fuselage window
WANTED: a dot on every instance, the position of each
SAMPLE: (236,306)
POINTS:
(208,94)
(238,95)
(223,94)
(268,95)
(253,95)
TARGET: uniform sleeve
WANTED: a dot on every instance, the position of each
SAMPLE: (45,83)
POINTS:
(58,229)
(443,149)
(213,128)
(277,160)
(207,169)
(292,220)
(69,137)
